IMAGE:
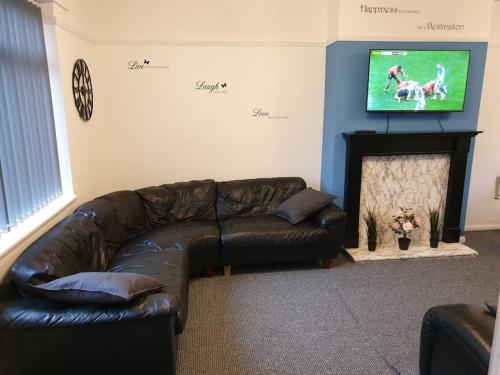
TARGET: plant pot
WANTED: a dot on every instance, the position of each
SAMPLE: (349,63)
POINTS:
(372,245)
(434,243)
(404,243)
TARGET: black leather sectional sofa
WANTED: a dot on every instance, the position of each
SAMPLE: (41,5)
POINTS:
(168,232)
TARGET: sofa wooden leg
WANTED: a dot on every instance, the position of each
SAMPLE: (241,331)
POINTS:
(327,263)
(210,271)
(227,270)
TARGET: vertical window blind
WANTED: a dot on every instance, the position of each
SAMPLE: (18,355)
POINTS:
(29,167)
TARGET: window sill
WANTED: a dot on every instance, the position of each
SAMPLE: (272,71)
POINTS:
(10,240)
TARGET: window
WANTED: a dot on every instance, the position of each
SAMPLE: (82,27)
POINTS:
(30,178)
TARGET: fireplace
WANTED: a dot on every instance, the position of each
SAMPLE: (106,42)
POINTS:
(388,182)
(450,146)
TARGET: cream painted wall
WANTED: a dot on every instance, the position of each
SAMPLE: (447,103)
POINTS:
(187,21)
(83,137)
(270,54)
(495,25)
(162,129)
(332,21)
(69,14)
(267,53)
(285,21)
(483,211)
(375,20)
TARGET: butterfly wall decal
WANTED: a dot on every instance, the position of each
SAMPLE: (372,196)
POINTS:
(146,62)
(224,85)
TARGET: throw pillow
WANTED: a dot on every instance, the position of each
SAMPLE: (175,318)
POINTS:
(300,206)
(105,288)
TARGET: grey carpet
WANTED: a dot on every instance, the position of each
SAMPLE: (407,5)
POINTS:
(353,319)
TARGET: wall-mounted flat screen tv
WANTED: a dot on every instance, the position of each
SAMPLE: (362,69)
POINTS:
(417,81)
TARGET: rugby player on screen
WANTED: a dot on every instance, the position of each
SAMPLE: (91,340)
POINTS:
(393,74)
(403,91)
(440,88)
(429,88)
(419,97)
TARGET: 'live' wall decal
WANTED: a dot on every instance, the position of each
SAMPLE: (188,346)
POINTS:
(144,64)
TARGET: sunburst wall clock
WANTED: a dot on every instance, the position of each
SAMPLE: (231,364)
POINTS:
(82,90)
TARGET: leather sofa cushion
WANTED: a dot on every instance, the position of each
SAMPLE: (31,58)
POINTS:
(145,255)
(193,200)
(131,213)
(255,196)
(167,267)
(199,238)
(74,245)
(269,232)
(105,215)
(191,236)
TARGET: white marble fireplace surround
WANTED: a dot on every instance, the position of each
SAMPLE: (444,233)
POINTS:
(362,254)
(392,181)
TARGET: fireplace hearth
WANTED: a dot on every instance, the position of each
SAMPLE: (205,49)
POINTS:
(360,145)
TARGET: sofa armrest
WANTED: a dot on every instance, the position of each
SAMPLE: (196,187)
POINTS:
(455,338)
(25,313)
(330,216)
(39,337)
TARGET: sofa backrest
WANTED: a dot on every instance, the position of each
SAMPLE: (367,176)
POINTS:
(105,216)
(131,213)
(73,245)
(255,196)
(169,203)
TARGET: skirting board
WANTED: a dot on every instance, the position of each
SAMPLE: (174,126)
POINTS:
(386,253)
(478,227)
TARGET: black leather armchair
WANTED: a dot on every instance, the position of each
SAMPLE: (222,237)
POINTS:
(456,340)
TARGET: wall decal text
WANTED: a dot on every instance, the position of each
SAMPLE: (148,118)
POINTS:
(260,113)
(144,64)
(211,88)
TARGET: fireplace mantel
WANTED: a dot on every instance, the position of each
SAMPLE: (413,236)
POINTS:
(359,145)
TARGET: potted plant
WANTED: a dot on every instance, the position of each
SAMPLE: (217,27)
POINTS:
(403,224)
(434,227)
(371,229)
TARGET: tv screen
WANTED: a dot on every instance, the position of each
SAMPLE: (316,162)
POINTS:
(417,81)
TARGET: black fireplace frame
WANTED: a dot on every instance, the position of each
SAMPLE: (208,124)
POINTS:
(359,145)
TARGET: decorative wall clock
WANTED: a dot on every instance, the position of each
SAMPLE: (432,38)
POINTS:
(82,90)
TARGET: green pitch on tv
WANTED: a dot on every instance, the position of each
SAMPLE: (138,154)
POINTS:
(417,81)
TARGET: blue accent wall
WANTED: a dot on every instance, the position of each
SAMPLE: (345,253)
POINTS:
(345,103)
